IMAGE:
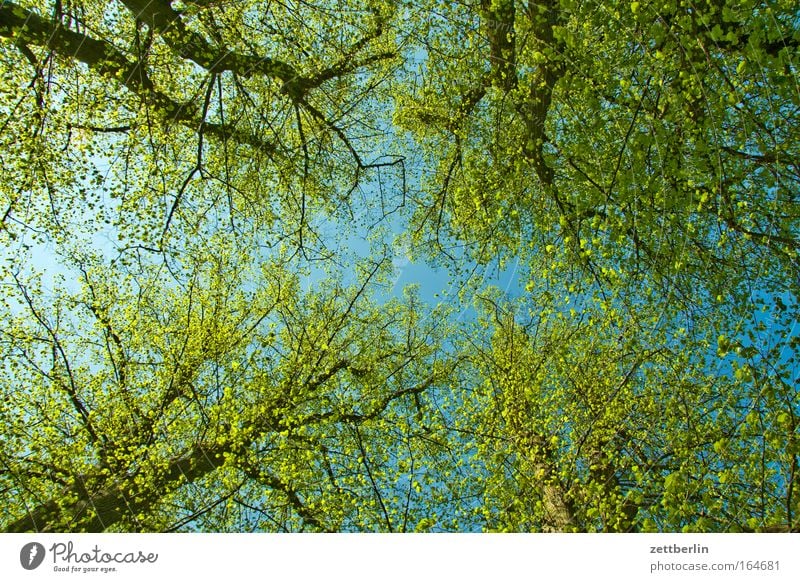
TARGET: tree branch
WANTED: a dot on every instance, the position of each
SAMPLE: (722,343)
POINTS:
(28,27)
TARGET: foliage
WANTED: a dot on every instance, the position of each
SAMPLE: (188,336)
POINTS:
(202,205)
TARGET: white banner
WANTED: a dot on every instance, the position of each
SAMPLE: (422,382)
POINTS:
(407,557)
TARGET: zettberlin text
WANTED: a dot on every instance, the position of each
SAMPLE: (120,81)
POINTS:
(676,549)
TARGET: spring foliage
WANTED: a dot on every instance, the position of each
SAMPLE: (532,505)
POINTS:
(205,205)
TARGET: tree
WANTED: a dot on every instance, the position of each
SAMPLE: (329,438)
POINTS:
(228,398)
(599,417)
(199,202)
(189,381)
(645,180)
(196,113)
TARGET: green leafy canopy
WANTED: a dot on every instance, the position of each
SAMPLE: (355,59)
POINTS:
(211,209)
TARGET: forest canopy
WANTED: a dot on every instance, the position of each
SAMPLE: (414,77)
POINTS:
(223,222)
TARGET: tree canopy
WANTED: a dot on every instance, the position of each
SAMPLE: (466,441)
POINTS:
(208,207)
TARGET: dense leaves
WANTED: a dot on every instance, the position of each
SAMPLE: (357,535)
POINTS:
(206,203)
